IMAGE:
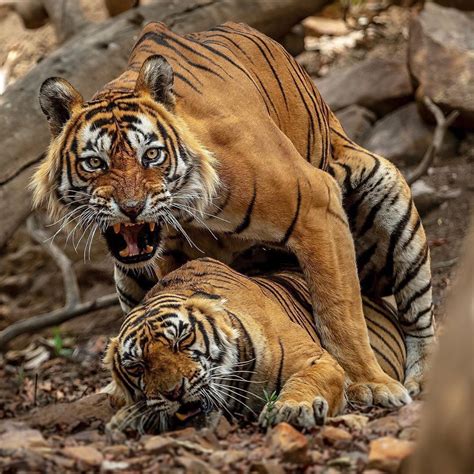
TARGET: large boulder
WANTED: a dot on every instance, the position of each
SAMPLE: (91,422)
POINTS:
(403,137)
(356,121)
(380,85)
(441,59)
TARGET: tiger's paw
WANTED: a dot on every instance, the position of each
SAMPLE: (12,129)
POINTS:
(386,394)
(299,414)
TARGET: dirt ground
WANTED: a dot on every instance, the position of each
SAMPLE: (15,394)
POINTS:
(43,371)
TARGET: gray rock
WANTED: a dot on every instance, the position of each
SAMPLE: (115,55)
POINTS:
(356,121)
(441,59)
(459,4)
(425,197)
(403,137)
(380,85)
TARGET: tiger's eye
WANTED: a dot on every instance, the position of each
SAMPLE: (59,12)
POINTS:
(151,154)
(95,162)
(135,370)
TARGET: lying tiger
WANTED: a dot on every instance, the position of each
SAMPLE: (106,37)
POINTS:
(209,338)
(221,133)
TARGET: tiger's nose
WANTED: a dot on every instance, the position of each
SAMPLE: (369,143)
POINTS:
(132,209)
(176,393)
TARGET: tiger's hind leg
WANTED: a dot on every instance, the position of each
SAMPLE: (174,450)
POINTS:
(391,247)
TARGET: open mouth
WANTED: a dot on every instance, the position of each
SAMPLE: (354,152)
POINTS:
(133,243)
(188,411)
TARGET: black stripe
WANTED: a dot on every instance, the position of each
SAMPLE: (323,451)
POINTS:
(278,385)
(422,291)
(290,229)
(248,214)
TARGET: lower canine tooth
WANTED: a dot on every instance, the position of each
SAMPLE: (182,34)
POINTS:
(124,252)
(116,228)
(148,249)
(152,226)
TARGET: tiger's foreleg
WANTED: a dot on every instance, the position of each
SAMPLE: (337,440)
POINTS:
(323,244)
(312,393)
(392,251)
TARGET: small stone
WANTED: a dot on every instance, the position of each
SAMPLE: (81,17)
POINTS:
(383,426)
(319,26)
(223,428)
(227,457)
(409,434)
(334,435)
(193,465)
(18,437)
(159,444)
(85,454)
(289,443)
(387,453)
(117,450)
(114,465)
(272,466)
(409,415)
(354,422)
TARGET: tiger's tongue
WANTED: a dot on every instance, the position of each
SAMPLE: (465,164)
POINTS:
(130,234)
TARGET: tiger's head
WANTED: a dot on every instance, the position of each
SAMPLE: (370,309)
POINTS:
(123,163)
(170,362)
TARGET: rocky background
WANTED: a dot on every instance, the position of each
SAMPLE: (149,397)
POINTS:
(374,62)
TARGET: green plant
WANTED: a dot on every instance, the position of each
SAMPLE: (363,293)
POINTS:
(58,344)
(270,400)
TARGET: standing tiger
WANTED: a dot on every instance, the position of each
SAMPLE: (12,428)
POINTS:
(228,136)
(209,339)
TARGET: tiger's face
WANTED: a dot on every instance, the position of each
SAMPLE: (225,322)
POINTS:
(168,361)
(123,164)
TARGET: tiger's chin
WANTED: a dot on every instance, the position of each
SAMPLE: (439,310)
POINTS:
(134,245)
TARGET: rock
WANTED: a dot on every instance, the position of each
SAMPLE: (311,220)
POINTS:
(356,121)
(425,196)
(223,428)
(267,467)
(334,435)
(441,59)
(83,411)
(18,436)
(403,137)
(286,441)
(311,61)
(86,454)
(293,41)
(409,415)
(458,4)
(319,26)
(193,465)
(387,453)
(114,465)
(227,457)
(159,444)
(383,426)
(380,85)
(352,421)
(409,434)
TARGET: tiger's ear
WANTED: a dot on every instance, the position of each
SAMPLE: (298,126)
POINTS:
(156,79)
(57,99)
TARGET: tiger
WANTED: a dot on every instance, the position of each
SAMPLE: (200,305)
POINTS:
(208,340)
(221,137)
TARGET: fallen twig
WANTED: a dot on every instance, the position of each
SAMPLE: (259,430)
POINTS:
(442,125)
(73,306)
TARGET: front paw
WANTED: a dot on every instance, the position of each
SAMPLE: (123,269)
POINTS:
(299,414)
(385,393)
